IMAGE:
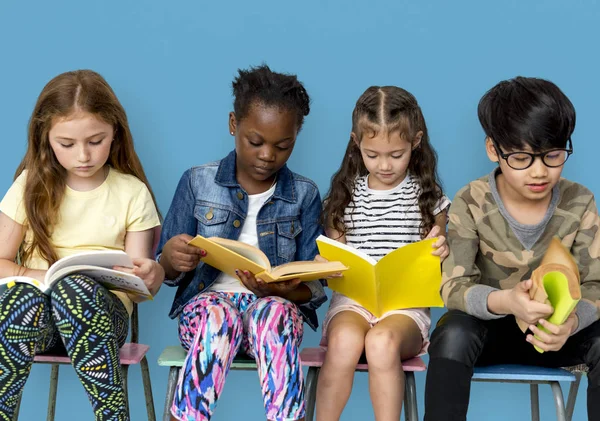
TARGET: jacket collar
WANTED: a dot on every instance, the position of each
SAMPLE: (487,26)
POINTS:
(284,190)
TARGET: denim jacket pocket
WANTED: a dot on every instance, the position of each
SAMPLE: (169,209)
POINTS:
(210,220)
(287,231)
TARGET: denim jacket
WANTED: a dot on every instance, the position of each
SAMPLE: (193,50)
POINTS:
(210,202)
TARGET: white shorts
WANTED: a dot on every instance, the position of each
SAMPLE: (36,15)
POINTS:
(339,303)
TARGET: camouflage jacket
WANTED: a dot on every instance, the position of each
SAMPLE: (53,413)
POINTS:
(485,255)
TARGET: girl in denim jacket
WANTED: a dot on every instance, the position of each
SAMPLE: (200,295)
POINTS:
(251,196)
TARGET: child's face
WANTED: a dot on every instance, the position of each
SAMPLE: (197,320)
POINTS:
(81,144)
(532,184)
(386,157)
(264,140)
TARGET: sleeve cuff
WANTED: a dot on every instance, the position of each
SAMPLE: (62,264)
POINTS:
(587,313)
(171,282)
(318,295)
(476,302)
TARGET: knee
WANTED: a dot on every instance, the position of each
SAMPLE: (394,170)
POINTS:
(74,286)
(277,311)
(382,347)
(344,345)
(457,336)
(23,299)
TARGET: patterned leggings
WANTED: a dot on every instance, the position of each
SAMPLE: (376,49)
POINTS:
(213,326)
(81,316)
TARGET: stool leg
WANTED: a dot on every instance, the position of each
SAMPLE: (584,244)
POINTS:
(125,372)
(573,396)
(311,392)
(148,389)
(53,392)
(173,376)
(410,397)
(558,401)
(535,402)
(17,408)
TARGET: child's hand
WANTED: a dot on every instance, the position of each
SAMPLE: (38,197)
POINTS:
(319,258)
(264,289)
(440,246)
(523,307)
(148,270)
(180,256)
(555,338)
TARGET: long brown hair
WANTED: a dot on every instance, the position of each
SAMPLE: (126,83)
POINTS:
(391,109)
(80,90)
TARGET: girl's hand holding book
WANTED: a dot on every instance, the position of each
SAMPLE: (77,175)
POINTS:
(263,289)
(180,256)
(319,258)
(148,270)
(441,247)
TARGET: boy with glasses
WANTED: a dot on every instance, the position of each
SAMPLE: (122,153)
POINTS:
(500,227)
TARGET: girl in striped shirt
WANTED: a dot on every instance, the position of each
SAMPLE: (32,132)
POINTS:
(386,194)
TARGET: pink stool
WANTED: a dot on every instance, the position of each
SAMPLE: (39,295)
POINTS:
(313,358)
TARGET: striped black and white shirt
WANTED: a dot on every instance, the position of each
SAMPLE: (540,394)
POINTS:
(380,221)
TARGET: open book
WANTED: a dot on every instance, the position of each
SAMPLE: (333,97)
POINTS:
(408,277)
(555,282)
(95,264)
(229,255)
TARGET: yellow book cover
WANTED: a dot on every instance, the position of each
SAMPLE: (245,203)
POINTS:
(555,282)
(408,277)
(229,255)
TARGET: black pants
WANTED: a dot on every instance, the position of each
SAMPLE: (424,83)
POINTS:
(461,342)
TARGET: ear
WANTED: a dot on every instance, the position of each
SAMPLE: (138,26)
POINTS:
(355,139)
(232,123)
(417,140)
(492,153)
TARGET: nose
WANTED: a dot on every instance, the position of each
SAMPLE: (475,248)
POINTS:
(385,164)
(267,154)
(84,154)
(538,168)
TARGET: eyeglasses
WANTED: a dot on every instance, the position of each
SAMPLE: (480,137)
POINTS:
(523,160)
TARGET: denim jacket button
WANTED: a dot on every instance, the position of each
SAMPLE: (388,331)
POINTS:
(209,215)
(237,223)
(240,195)
(201,286)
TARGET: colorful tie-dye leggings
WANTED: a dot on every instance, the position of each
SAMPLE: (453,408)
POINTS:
(213,326)
(81,316)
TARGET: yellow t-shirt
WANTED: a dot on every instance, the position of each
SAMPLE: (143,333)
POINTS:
(92,220)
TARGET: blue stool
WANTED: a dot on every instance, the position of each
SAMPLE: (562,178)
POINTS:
(533,376)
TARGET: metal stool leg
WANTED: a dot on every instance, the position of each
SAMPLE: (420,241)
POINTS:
(148,389)
(558,401)
(410,397)
(53,392)
(573,396)
(535,402)
(125,372)
(311,392)
(173,376)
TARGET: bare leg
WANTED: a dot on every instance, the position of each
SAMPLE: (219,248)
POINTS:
(393,339)
(345,343)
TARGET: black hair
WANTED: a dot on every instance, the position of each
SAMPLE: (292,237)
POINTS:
(261,86)
(527,111)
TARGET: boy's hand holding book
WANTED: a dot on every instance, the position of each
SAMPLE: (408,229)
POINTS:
(518,302)
(553,337)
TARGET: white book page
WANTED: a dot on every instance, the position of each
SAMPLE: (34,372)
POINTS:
(102,258)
